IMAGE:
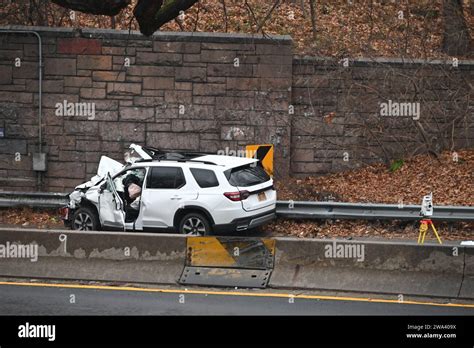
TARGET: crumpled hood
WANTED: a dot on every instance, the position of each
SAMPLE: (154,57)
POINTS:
(109,165)
(106,165)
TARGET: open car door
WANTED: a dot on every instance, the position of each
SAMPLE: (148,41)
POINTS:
(111,208)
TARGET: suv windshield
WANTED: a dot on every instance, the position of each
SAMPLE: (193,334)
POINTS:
(247,175)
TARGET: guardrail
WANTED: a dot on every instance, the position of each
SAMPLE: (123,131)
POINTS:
(368,211)
(285,209)
(33,199)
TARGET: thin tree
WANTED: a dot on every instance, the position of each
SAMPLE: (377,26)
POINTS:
(456,38)
(312,5)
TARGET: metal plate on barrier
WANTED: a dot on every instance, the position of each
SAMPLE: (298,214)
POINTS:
(212,276)
(230,252)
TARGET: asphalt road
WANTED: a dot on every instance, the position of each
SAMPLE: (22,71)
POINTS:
(80,300)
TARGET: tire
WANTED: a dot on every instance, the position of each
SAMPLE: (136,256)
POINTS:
(194,224)
(85,219)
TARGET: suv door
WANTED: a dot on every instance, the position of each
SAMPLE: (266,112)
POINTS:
(111,213)
(165,191)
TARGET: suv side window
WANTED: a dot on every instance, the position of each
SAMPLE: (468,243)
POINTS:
(165,178)
(204,177)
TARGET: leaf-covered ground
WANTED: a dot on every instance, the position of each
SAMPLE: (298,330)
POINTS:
(368,229)
(451,179)
(344,28)
(30,218)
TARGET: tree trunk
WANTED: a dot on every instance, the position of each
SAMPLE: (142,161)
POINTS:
(312,4)
(150,14)
(167,12)
(456,39)
(145,12)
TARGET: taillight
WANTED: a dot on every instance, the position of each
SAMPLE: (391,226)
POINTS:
(237,196)
(64,213)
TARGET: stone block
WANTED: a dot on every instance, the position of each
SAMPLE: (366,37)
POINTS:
(176,47)
(79,45)
(74,81)
(5,75)
(178,97)
(123,88)
(63,169)
(158,83)
(137,113)
(123,131)
(159,58)
(92,93)
(12,146)
(208,89)
(193,125)
(189,73)
(173,141)
(138,70)
(94,62)
(60,66)
(110,76)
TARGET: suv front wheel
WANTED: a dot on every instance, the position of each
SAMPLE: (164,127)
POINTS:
(194,224)
(85,219)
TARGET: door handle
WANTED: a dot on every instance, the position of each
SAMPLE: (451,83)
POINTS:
(176,197)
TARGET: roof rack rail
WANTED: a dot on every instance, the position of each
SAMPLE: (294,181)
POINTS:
(192,160)
(182,160)
(173,154)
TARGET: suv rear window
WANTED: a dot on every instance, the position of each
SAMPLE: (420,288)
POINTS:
(247,175)
(205,177)
(165,178)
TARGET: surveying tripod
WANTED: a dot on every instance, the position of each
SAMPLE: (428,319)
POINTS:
(425,223)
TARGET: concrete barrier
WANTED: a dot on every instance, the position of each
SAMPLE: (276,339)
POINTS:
(364,266)
(467,287)
(386,267)
(100,256)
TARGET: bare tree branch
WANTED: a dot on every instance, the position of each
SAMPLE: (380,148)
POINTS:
(268,15)
(252,14)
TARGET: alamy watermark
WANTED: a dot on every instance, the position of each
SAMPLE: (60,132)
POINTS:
(345,251)
(37,331)
(76,109)
(19,251)
(237,153)
(398,109)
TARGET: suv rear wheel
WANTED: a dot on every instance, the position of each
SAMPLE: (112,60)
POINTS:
(194,224)
(85,219)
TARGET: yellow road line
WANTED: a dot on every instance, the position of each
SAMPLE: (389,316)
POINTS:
(236,293)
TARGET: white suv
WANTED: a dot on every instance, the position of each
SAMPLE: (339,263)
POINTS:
(190,193)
